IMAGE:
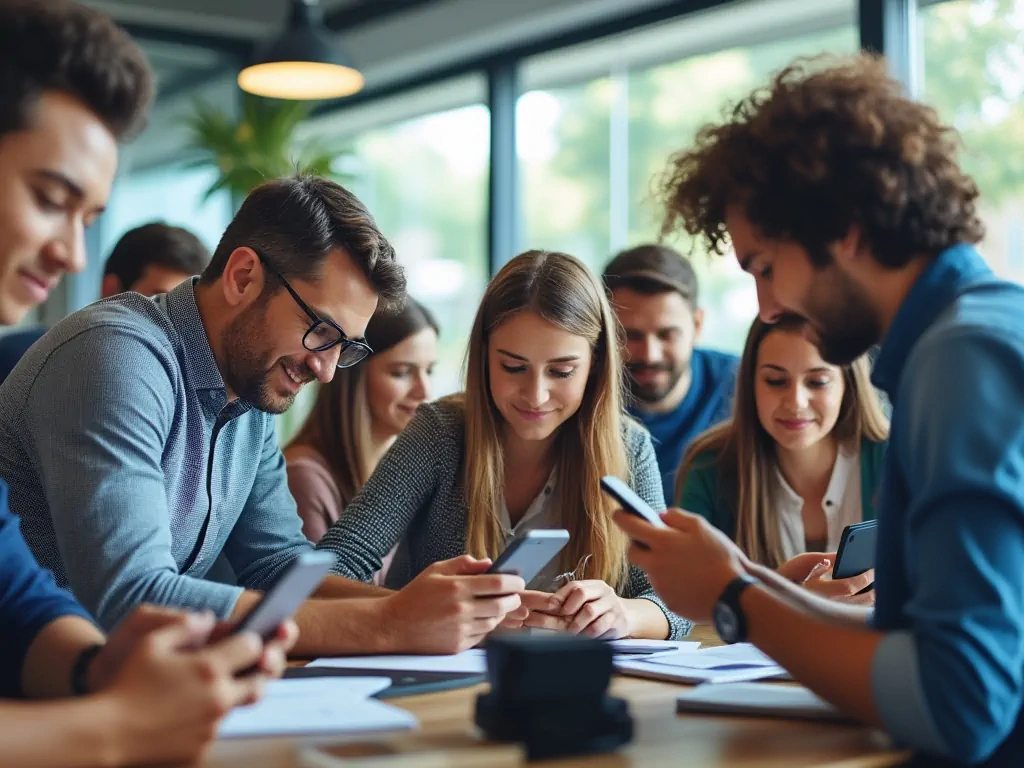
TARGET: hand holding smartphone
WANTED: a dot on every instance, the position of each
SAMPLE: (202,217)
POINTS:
(293,586)
(527,555)
(630,502)
(856,553)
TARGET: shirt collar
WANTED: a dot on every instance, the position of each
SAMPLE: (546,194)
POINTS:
(948,276)
(842,470)
(537,507)
(200,365)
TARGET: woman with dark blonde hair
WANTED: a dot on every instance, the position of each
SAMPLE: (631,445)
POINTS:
(524,447)
(799,460)
(357,417)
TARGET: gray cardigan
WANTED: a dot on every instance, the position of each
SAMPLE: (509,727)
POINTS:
(415,499)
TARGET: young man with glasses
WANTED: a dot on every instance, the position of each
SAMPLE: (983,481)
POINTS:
(138,435)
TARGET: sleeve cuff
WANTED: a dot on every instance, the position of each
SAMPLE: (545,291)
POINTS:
(899,696)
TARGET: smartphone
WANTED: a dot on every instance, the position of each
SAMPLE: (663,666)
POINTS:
(291,589)
(856,550)
(630,502)
(527,555)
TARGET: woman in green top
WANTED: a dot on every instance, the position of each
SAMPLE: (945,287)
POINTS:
(798,461)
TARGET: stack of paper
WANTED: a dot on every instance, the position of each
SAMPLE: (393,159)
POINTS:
(475,661)
(727,664)
(317,706)
(757,699)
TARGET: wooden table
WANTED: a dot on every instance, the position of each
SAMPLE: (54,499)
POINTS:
(662,737)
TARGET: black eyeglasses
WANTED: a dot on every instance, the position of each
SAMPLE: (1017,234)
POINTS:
(323,334)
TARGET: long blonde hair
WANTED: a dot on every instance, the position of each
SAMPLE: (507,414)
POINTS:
(563,291)
(745,452)
(339,425)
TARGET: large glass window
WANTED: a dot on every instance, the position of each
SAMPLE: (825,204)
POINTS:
(420,164)
(591,147)
(973,73)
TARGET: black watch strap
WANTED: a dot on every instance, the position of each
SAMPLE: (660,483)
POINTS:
(80,670)
(730,620)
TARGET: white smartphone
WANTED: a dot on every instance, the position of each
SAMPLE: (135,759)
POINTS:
(527,555)
(291,589)
(630,502)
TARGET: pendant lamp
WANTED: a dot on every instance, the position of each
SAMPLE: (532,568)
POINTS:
(304,62)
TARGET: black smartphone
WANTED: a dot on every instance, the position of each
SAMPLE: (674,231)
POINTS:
(856,552)
(293,586)
(630,502)
(527,555)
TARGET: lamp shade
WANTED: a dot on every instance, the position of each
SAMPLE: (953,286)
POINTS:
(305,62)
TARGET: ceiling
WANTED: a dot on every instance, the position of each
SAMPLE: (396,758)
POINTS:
(235,19)
(187,41)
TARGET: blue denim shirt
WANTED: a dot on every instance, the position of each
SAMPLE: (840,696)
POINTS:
(129,469)
(948,677)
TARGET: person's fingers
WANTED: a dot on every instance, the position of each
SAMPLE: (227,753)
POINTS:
(517,615)
(494,584)
(273,661)
(493,607)
(819,571)
(236,653)
(463,565)
(636,529)
(578,593)
(286,635)
(189,630)
(600,626)
(546,621)
(484,626)
(540,601)
(640,556)
(247,689)
(590,612)
(682,521)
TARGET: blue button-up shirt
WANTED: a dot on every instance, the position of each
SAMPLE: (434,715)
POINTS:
(130,470)
(948,677)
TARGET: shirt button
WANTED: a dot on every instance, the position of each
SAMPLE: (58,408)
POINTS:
(828,503)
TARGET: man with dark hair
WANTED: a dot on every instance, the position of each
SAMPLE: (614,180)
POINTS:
(71,85)
(138,435)
(150,259)
(843,198)
(678,389)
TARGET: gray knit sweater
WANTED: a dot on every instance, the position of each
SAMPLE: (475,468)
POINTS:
(415,499)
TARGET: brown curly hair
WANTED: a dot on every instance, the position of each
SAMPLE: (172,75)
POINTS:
(830,143)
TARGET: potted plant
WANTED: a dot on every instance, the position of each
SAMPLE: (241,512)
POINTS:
(257,145)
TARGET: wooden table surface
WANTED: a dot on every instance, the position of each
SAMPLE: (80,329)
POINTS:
(661,736)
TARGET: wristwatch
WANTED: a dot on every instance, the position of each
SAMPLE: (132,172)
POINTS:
(730,621)
(80,670)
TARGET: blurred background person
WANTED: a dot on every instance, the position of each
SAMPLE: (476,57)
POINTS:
(150,259)
(357,417)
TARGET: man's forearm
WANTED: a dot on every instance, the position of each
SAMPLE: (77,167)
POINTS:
(831,658)
(335,627)
(72,733)
(338,586)
(857,615)
(46,672)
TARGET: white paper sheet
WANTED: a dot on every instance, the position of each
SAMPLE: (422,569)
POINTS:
(317,706)
(470,662)
(739,656)
(674,674)
(632,647)
(757,699)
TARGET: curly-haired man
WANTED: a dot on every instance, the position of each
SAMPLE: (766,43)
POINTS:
(844,200)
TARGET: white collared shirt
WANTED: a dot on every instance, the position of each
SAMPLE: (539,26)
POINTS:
(841,505)
(540,515)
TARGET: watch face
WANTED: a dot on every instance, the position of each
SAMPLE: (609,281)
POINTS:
(726,623)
